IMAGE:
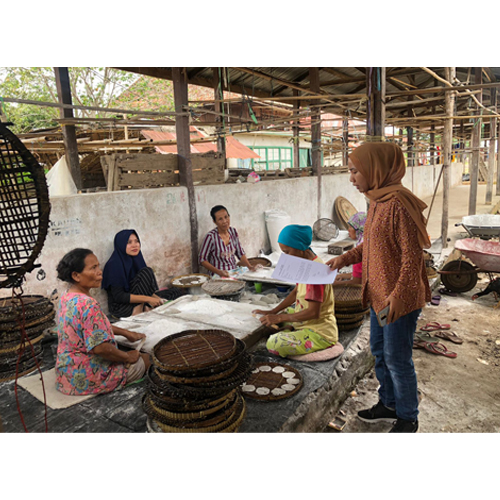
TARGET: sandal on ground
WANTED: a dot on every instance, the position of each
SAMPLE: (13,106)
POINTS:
(438,348)
(419,344)
(434,326)
(449,335)
(425,337)
(436,300)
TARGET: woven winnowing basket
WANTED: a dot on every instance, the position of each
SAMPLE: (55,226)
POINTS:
(193,349)
(347,295)
(24,209)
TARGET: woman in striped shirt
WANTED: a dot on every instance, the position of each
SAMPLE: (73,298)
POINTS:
(221,246)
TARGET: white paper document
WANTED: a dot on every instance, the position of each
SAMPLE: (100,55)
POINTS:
(297,270)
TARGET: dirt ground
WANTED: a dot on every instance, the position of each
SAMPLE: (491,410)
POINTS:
(460,395)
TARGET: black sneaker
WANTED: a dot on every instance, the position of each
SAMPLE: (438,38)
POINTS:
(405,426)
(378,413)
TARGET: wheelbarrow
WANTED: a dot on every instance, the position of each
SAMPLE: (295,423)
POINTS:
(461,276)
(484,226)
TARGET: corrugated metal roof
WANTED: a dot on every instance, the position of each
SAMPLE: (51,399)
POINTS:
(234,148)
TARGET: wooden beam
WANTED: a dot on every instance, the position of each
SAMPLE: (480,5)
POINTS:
(345,139)
(316,136)
(447,151)
(375,92)
(184,154)
(476,140)
(296,132)
(218,107)
(492,150)
(69,131)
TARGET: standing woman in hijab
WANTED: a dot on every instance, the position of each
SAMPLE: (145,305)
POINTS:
(313,326)
(393,275)
(129,282)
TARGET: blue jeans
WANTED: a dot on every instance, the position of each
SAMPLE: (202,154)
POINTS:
(392,346)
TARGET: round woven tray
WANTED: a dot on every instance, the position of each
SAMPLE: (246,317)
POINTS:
(325,229)
(344,327)
(197,393)
(228,424)
(216,288)
(347,295)
(9,338)
(9,373)
(343,210)
(263,261)
(34,305)
(15,347)
(7,326)
(269,377)
(156,411)
(189,280)
(193,349)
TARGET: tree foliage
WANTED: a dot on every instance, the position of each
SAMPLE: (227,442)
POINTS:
(97,87)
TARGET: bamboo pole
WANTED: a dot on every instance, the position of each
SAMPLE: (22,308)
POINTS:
(491,152)
(476,141)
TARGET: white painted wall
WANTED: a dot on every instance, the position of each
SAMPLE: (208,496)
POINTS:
(161,218)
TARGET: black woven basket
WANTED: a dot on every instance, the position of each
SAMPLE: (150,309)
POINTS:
(24,209)
(11,309)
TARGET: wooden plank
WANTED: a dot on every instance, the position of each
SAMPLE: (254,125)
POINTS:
(147,161)
(145,180)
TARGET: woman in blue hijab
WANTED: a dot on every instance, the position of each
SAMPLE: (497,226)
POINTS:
(130,284)
(310,325)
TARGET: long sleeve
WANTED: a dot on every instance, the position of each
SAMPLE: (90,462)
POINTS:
(118,295)
(353,256)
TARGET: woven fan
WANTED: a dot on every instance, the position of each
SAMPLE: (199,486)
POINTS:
(325,229)
(343,210)
(24,209)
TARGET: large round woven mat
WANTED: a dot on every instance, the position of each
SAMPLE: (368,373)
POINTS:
(343,210)
(189,280)
(325,229)
(193,349)
(272,381)
(222,287)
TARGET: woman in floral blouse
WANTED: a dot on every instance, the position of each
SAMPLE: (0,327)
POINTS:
(88,361)
(393,275)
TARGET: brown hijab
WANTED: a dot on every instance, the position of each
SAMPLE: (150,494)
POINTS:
(382,164)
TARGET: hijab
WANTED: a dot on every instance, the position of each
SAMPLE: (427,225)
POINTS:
(121,268)
(382,164)
(357,222)
(296,236)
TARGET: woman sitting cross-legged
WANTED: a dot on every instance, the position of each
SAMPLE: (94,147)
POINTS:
(130,284)
(88,361)
(313,326)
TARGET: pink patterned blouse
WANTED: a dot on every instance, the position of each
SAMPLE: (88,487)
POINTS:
(81,327)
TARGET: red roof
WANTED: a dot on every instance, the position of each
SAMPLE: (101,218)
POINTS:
(234,148)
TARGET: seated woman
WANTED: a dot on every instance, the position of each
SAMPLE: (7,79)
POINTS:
(313,324)
(356,228)
(221,246)
(88,361)
(130,284)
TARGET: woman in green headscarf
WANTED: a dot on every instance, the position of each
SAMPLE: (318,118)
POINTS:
(312,323)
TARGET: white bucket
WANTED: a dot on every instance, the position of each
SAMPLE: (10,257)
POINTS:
(276,220)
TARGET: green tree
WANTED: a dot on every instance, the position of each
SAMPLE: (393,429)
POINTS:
(89,87)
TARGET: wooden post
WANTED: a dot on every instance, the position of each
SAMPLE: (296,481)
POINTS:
(409,145)
(69,131)
(375,107)
(447,150)
(179,78)
(492,149)
(296,132)
(476,141)
(498,162)
(316,134)
(218,108)
(345,137)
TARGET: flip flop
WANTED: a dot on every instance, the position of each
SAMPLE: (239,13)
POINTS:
(444,291)
(449,335)
(419,344)
(438,348)
(436,300)
(434,326)
(425,337)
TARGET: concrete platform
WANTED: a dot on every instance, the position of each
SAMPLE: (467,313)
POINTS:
(326,385)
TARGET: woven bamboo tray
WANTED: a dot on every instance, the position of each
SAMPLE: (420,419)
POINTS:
(7,326)
(193,349)
(343,210)
(176,405)
(256,261)
(347,295)
(345,327)
(216,288)
(34,306)
(189,280)
(273,381)
(229,424)
(7,339)
(25,367)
